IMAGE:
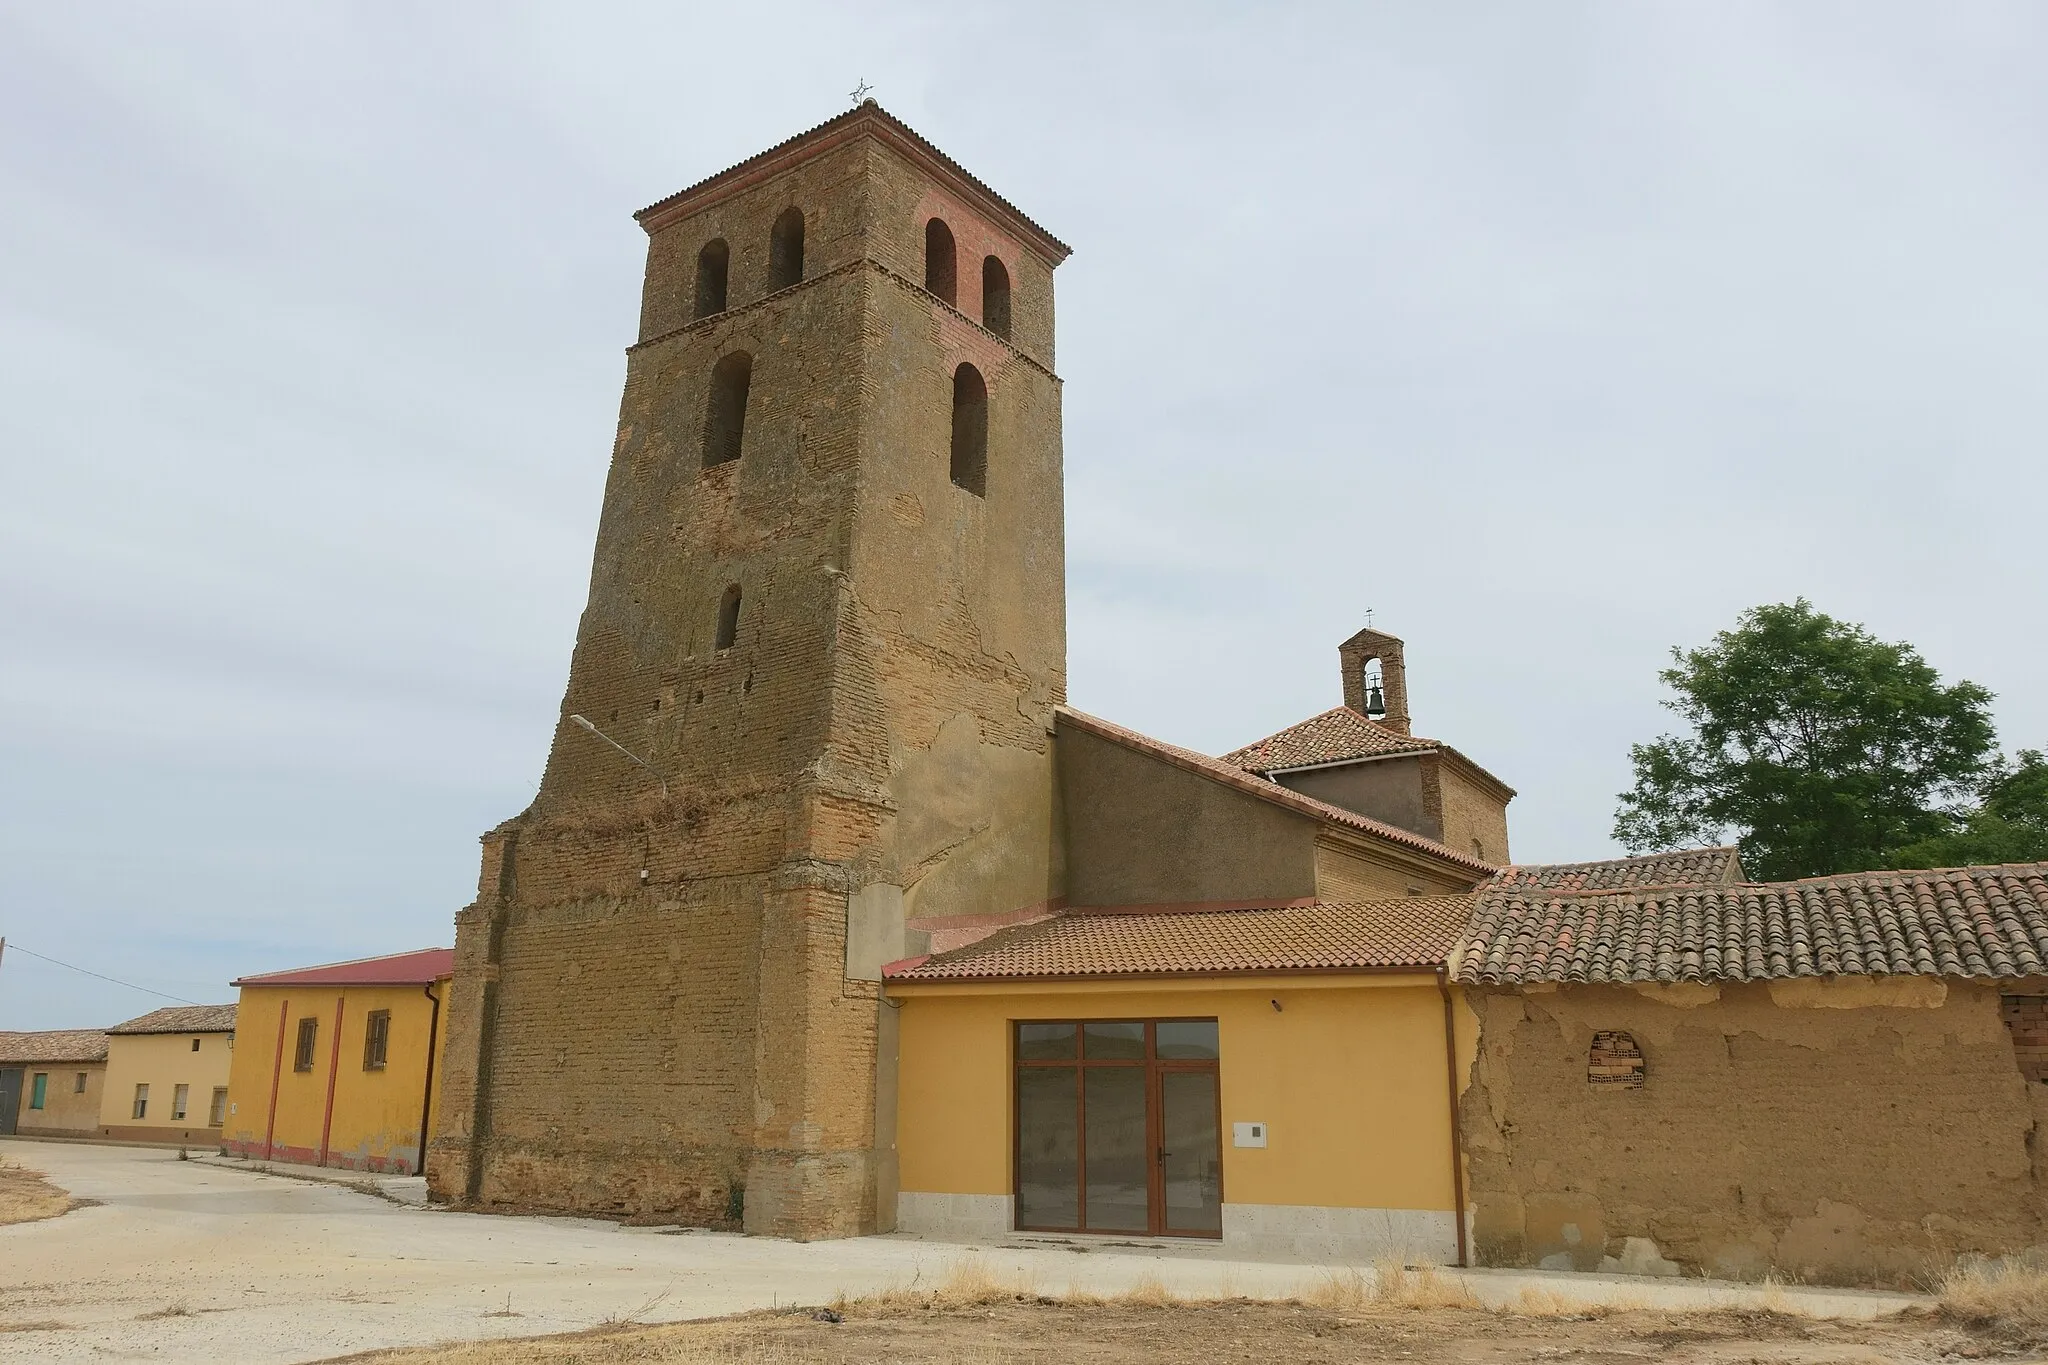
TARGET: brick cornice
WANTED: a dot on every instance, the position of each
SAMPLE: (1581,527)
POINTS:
(868,120)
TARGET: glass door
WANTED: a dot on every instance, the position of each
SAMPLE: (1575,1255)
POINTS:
(1118,1127)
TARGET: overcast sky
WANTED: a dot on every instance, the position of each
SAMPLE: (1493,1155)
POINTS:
(1556,334)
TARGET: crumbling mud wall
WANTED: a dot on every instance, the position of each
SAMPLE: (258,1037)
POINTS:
(1860,1130)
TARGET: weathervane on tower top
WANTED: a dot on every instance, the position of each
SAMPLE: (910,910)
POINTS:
(860,91)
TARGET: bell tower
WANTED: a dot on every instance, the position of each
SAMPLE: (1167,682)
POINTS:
(825,635)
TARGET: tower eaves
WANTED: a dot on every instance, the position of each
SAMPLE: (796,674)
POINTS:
(868,119)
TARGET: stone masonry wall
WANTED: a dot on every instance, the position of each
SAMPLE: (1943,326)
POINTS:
(1850,1131)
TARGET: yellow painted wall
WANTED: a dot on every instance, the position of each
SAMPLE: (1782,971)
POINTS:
(163,1061)
(1349,1075)
(65,1109)
(375,1123)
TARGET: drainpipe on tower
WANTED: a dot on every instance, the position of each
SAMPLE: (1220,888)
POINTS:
(427,1099)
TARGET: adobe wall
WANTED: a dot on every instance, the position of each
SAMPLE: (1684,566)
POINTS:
(1141,831)
(1388,789)
(1850,1131)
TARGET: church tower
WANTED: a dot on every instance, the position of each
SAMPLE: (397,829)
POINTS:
(808,712)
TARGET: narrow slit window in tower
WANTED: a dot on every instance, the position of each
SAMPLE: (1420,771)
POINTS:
(726,420)
(729,617)
(939,271)
(711,264)
(786,249)
(995,297)
(970,431)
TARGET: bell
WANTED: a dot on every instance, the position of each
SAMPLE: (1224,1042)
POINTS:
(1375,702)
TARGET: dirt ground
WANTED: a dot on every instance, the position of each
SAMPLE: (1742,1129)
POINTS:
(1029,1332)
(25,1196)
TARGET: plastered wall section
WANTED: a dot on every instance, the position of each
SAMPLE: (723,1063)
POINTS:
(1140,831)
(66,1110)
(1388,789)
(163,1061)
(1865,1129)
(339,1112)
(1348,1074)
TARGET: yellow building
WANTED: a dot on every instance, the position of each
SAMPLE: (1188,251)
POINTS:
(336,1063)
(50,1082)
(167,1075)
(1281,1079)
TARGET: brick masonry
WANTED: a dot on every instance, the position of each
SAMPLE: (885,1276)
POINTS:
(655,1011)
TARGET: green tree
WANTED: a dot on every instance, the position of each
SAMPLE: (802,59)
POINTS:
(1822,748)
(2009,823)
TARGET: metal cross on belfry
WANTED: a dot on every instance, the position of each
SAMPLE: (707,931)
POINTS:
(859,92)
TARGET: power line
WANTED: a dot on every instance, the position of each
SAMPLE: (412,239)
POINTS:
(129,984)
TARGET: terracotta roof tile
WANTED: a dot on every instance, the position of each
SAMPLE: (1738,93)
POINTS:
(1684,867)
(182,1019)
(1338,735)
(1231,775)
(1352,936)
(55,1045)
(1968,922)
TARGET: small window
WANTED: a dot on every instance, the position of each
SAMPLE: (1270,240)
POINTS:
(217,1112)
(195,1045)
(1614,1061)
(970,431)
(995,297)
(179,1096)
(376,1038)
(141,1109)
(39,1090)
(78,1086)
(939,261)
(725,421)
(786,249)
(302,1057)
(711,267)
(729,617)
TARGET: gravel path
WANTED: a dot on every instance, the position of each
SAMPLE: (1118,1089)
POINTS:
(188,1260)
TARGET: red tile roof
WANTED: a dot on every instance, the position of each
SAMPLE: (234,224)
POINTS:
(182,1019)
(1231,775)
(1964,922)
(419,968)
(1683,867)
(1338,735)
(55,1045)
(1354,936)
(866,117)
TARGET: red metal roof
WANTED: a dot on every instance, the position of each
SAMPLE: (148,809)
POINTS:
(419,968)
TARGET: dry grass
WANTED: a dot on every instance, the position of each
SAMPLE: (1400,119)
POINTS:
(26,1197)
(2008,1298)
(1390,1284)
(169,1310)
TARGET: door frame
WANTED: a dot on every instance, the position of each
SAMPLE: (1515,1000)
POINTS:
(1154,1069)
